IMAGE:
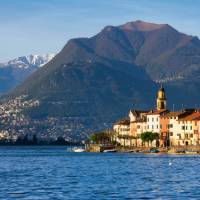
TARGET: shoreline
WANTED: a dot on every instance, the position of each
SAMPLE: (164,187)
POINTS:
(174,150)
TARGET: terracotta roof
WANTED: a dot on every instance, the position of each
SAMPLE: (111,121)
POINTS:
(173,114)
(123,122)
(138,112)
(179,114)
(192,117)
(139,120)
(157,112)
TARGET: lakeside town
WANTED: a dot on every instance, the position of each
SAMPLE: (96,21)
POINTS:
(159,129)
(17,128)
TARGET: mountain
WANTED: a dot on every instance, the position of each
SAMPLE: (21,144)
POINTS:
(17,70)
(99,79)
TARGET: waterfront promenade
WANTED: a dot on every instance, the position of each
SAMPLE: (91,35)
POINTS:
(192,149)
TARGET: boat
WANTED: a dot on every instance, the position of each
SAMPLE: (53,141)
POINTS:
(78,150)
(191,152)
(109,150)
(154,150)
(180,151)
(129,151)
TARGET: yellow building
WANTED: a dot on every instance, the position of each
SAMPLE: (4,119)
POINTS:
(190,129)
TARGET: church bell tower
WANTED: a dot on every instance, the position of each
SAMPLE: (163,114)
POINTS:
(161,99)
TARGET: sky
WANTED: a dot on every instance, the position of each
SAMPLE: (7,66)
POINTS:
(44,26)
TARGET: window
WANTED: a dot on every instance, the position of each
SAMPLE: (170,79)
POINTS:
(179,136)
(157,119)
(183,127)
(157,126)
(152,126)
(186,136)
(171,134)
(152,119)
(170,125)
(147,126)
(191,135)
(161,126)
(190,127)
(138,126)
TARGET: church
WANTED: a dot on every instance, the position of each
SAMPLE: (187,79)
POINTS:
(174,128)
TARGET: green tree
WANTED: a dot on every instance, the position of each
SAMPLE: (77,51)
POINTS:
(94,138)
(149,137)
(101,137)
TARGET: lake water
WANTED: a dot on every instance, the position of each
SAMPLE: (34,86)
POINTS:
(54,173)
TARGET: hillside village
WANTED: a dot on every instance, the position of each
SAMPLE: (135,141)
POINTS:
(15,125)
(174,128)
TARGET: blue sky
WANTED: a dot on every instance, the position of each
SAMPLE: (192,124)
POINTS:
(44,26)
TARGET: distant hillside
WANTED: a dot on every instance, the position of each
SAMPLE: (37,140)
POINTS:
(102,77)
(15,71)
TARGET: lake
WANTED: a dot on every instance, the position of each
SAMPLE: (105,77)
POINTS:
(54,173)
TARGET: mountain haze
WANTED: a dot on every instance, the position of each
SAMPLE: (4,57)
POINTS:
(102,77)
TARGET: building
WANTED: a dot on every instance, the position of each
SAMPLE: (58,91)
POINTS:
(174,128)
(171,129)
(137,125)
(153,123)
(189,127)
(122,130)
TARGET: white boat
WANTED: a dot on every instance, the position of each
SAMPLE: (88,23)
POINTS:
(109,150)
(78,150)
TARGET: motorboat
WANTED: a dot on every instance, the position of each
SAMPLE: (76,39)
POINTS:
(109,151)
(78,150)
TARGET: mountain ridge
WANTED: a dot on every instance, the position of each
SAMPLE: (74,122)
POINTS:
(104,76)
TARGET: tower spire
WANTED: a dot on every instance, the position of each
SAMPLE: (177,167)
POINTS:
(161,99)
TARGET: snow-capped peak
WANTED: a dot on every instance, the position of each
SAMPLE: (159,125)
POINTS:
(29,61)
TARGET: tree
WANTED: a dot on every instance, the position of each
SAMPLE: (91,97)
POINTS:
(154,136)
(101,137)
(94,138)
(149,137)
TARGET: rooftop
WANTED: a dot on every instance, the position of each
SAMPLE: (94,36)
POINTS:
(123,122)
(192,117)
(157,112)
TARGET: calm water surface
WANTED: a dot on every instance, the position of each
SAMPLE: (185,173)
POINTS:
(54,173)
